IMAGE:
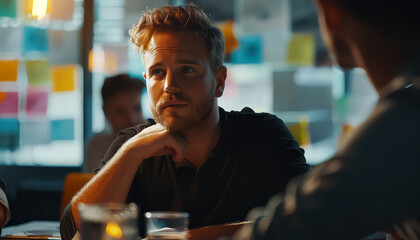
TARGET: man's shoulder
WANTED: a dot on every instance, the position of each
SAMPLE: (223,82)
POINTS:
(249,126)
(249,119)
(131,131)
(248,114)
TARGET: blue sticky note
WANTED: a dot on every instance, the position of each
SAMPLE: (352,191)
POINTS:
(35,39)
(62,129)
(250,50)
(8,8)
(34,131)
(9,133)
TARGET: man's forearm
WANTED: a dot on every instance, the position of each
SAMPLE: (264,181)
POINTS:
(111,184)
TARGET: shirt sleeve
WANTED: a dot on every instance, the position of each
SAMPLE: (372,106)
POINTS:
(371,184)
(121,138)
(68,227)
(4,203)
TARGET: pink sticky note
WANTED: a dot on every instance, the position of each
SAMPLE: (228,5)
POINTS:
(36,102)
(9,103)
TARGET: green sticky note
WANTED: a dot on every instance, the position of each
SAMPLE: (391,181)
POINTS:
(38,72)
(8,8)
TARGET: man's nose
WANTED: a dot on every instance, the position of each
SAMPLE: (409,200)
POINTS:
(171,83)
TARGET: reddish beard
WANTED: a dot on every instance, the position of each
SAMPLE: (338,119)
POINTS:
(174,123)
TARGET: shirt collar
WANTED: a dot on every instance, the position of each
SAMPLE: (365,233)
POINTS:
(409,77)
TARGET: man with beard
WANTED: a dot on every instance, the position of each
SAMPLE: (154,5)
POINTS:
(373,181)
(194,157)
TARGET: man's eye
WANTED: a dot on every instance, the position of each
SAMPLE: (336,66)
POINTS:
(157,72)
(187,70)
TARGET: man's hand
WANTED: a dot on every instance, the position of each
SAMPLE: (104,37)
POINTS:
(155,141)
(113,181)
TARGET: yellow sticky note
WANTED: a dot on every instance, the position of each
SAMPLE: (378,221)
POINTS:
(8,70)
(38,72)
(38,9)
(64,77)
(301,49)
(300,131)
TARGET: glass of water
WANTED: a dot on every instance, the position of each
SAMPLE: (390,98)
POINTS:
(167,225)
(108,221)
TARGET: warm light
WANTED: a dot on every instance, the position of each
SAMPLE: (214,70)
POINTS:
(105,61)
(39,8)
(113,230)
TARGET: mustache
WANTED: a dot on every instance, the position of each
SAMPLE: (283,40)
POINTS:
(172,97)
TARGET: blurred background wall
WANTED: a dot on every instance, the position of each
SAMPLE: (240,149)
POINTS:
(55,54)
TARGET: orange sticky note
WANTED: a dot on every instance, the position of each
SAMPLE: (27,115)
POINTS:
(9,70)
(231,42)
(63,77)
(62,9)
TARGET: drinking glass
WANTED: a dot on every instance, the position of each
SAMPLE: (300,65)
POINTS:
(108,221)
(167,225)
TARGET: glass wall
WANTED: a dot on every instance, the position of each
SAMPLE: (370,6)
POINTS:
(40,82)
(276,63)
(275,56)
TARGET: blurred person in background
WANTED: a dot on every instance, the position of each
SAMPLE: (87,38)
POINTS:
(373,182)
(121,99)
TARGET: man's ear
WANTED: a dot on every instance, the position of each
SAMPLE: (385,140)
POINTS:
(331,12)
(220,76)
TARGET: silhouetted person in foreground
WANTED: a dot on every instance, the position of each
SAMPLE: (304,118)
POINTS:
(373,182)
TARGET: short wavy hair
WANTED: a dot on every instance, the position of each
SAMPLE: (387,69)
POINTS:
(177,18)
(119,83)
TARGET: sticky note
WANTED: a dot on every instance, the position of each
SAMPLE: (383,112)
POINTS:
(35,132)
(63,77)
(9,103)
(38,72)
(231,42)
(62,129)
(35,40)
(108,59)
(8,8)
(9,70)
(36,102)
(301,49)
(38,9)
(9,133)
(60,39)
(62,9)
(250,50)
(11,41)
(300,131)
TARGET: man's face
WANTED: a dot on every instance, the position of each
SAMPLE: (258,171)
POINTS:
(124,110)
(181,84)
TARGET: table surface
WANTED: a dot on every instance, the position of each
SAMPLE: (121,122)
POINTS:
(205,233)
(215,232)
